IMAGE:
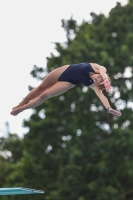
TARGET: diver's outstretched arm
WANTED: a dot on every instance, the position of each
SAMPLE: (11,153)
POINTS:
(105,101)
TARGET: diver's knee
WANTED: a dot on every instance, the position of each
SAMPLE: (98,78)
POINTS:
(40,87)
(43,96)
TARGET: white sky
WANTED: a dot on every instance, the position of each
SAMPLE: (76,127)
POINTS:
(27,30)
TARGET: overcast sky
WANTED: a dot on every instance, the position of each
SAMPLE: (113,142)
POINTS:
(28,29)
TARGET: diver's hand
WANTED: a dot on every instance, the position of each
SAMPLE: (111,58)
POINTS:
(113,112)
(106,84)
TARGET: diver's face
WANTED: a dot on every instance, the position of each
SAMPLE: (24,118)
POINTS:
(97,78)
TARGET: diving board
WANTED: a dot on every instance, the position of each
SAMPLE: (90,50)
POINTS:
(19,190)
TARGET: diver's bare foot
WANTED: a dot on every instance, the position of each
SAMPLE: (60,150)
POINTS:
(16,111)
(15,107)
(18,106)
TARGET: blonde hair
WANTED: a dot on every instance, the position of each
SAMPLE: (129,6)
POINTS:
(101,87)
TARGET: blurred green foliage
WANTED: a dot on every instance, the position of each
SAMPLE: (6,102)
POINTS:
(74,149)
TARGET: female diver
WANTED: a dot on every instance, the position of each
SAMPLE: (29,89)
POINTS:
(64,78)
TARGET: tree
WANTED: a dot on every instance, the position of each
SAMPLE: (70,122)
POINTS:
(74,149)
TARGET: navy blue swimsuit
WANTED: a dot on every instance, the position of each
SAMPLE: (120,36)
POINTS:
(77,73)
